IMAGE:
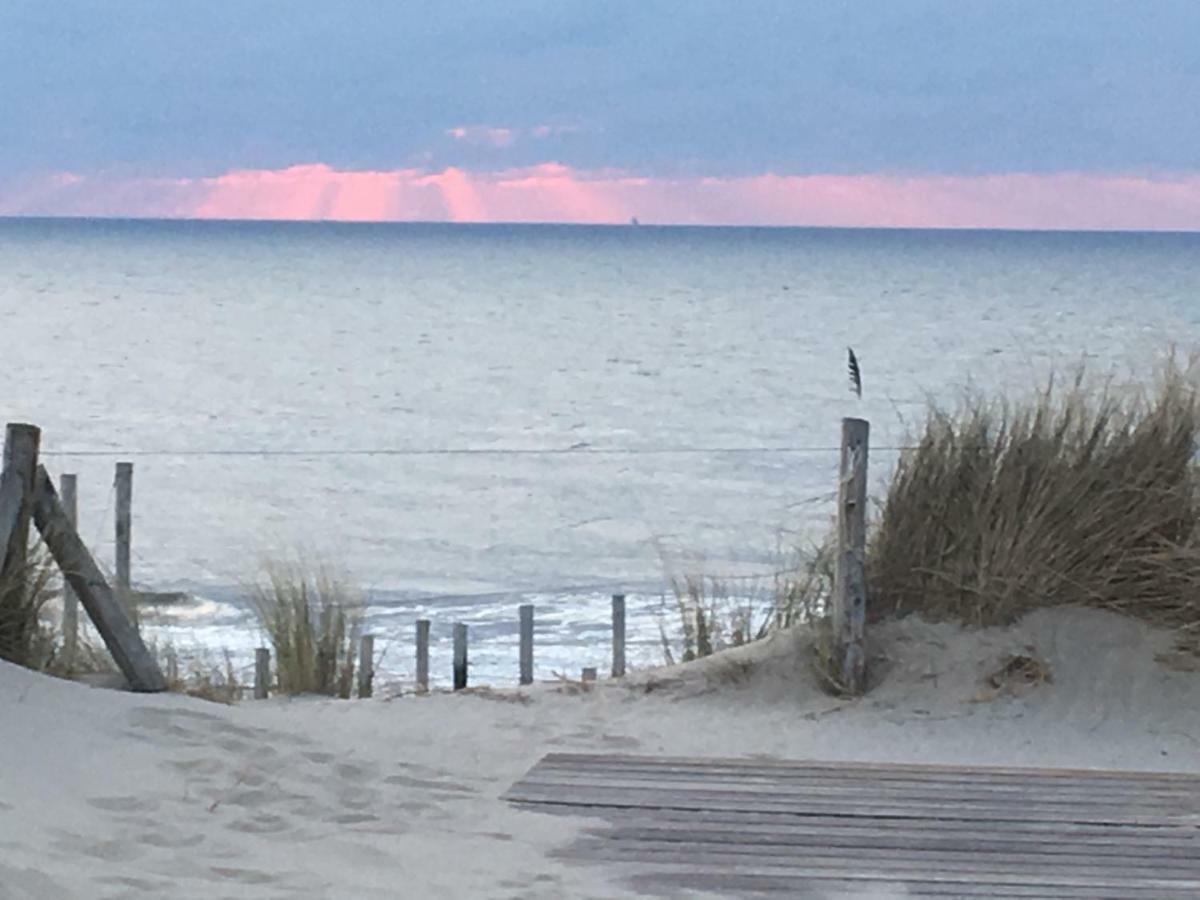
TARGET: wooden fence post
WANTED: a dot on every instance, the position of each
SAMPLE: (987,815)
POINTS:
(588,674)
(262,673)
(423,655)
(70,616)
(460,656)
(17,483)
(366,665)
(850,580)
(107,613)
(526,652)
(618,635)
(124,527)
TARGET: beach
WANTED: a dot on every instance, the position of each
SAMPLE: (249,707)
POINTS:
(107,794)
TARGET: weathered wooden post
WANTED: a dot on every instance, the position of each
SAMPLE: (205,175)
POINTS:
(850,578)
(107,613)
(423,655)
(526,652)
(366,665)
(262,673)
(588,675)
(124,527)
(17,481)
(460,656)
(70,616)
(618,635)
(172,666)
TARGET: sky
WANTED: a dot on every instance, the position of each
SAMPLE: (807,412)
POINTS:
(926,113)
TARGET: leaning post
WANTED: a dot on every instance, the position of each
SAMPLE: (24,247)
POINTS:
(262,673)
(850,579)
(70,616)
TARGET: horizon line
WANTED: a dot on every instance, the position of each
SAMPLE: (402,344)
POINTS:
(608,226)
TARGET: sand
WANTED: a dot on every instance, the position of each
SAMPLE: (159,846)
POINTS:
(106,794)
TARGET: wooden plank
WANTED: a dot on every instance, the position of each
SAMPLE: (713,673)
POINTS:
(977,839)
(107,614)
(949,811)
(850,578)
(931,770)
(904,858)
(1176,801)
(856,867)
(788,820)
(851,772)
(17,479)
(670,881)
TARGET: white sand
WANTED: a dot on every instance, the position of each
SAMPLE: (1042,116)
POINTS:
(105,794)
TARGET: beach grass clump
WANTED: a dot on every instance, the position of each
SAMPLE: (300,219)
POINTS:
(1083,493)
(313,620)
(26,637)
(717,613)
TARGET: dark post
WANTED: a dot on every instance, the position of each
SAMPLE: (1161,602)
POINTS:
(422,655)
(618,635)
(850,587)
(526,653)
(460,656)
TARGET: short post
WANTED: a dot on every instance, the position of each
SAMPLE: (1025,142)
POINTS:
(526,653)
(124,527)
(423,655)
(366,665)
(70,616)
(172,667)
(262,673)
(588,675)
(460,656)
(618,635)
(850,579)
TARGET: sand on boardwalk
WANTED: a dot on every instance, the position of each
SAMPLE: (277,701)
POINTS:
(106,794)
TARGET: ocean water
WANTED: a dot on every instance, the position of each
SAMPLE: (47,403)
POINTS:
(465,418)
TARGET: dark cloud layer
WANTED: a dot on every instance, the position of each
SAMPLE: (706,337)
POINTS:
(661,86)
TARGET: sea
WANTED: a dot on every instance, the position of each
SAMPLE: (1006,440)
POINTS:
(462,419)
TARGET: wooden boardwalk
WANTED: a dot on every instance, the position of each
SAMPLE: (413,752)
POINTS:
(743,827)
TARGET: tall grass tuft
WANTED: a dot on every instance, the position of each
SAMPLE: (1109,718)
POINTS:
(716,613)
(313,621)
(1085,493)
(25,637)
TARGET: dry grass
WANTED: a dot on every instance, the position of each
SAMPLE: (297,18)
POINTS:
(201,676)
(717,613)
(1084,494)
(312,620)
(26,638)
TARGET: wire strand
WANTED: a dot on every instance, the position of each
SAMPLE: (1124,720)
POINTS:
(457,451)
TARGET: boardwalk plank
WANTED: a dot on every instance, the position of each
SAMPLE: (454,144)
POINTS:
(754,826)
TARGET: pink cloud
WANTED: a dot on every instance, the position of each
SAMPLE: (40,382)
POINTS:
(552,192)
(483,134)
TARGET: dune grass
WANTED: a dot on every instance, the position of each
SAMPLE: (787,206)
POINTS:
(716,613)
(26,638)
(1083,493)
(312,620)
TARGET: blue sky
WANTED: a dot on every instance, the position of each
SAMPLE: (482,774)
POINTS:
(198,87)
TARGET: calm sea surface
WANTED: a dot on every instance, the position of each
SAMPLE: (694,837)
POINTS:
(382,397)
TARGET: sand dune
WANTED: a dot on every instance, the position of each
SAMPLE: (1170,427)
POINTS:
(112,795)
